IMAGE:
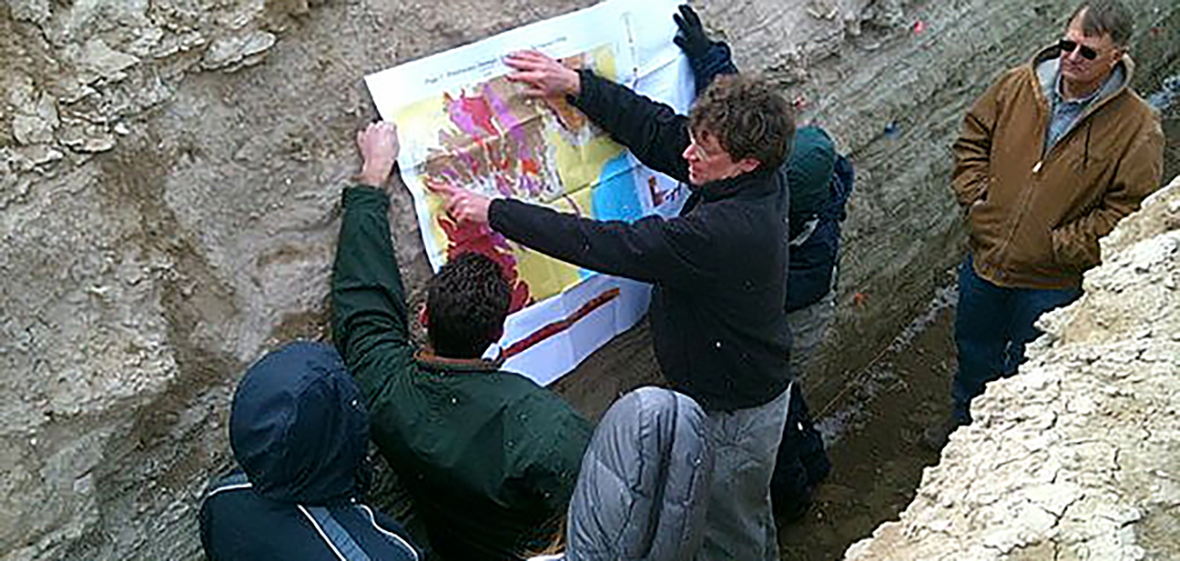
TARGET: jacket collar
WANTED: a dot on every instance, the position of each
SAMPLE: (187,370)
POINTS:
(430,361)
(758,182)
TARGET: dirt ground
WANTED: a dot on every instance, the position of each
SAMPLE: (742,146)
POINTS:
(874,430)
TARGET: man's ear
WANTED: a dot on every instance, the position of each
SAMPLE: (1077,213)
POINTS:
(748,164)
(1118,56)
(423,317)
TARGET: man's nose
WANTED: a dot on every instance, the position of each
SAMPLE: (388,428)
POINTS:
(687,154)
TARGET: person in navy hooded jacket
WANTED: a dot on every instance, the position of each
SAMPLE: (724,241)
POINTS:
(299,430)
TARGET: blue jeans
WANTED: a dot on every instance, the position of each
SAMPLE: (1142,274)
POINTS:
(992,326)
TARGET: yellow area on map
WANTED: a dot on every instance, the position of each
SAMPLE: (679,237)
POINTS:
(487,137)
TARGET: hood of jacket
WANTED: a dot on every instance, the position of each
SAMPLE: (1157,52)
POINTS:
(809,173)
(298,426)
(643,486)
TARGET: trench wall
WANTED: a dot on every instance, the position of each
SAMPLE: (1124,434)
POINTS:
(169,182)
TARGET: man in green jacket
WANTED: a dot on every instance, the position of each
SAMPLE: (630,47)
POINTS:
(489,457)
(1050,158)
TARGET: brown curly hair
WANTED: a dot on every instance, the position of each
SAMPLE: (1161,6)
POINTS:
(748,118)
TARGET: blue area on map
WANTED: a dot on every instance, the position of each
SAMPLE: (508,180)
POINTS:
(616,197)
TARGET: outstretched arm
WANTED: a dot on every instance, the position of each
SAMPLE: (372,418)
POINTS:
(369,317)
(675,252)
(651,130)
(650,249)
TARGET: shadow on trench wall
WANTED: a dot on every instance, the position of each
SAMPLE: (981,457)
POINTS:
(1171,124)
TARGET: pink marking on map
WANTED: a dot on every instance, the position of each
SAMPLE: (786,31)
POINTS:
(503,185)
(530,185)
(457,114)
(508,120)
(476,109)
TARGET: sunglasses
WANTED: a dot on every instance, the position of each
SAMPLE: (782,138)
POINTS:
(1068,46)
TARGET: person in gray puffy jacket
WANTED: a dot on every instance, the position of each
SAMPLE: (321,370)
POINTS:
(644,482)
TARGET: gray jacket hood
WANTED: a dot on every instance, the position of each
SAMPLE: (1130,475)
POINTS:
(644,481)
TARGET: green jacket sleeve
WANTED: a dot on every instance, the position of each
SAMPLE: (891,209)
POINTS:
(369,319)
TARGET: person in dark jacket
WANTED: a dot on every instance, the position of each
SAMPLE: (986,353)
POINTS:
(820,181)
(299,431)
(718,269)
(489,457)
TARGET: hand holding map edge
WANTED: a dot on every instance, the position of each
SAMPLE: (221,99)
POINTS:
(691,36)
(379,147)
(544,75)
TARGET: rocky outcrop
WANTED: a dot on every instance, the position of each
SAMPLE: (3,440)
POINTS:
(1075,457)
(169,179)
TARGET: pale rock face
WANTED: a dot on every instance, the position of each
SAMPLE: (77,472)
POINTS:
(169,187)
(35,119)
(1074,457)
(97,61)
(238,51)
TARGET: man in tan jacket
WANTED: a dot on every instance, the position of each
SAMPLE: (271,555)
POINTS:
(1050,158)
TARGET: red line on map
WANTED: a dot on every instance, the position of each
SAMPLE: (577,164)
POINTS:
(561,325)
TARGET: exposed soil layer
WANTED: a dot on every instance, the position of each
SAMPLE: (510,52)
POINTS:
(875,432)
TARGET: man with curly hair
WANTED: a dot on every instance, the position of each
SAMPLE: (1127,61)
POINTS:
(717,270)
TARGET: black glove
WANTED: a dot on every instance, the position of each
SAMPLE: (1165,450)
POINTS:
(691,38)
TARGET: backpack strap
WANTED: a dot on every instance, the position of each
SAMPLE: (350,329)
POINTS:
(808,229)
(338,539)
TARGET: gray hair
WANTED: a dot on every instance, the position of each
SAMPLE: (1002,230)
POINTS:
(1106,17)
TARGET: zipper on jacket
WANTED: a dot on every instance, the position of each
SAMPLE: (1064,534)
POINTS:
(1046,115)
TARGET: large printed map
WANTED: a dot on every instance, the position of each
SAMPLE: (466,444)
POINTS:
(493,140)
(462,123)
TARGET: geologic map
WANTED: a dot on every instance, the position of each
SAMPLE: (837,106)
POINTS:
(462,123)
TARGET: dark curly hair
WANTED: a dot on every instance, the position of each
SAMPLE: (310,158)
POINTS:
(748,117)
(466,303)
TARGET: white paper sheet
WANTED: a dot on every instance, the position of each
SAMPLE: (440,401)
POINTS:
(462,123)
